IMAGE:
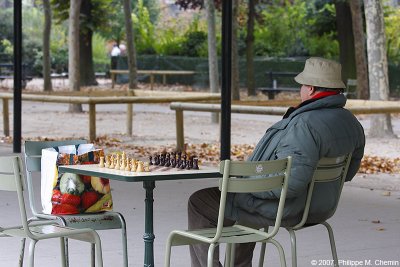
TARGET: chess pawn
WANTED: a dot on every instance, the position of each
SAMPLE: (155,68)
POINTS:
(127,164)
(101,164)
(122,166)
(117,163)
(140,167)
(156,159)
(150,160)
(112,165)
(173,162)
(195,164)
(146,167)
(133,165)
(107,163)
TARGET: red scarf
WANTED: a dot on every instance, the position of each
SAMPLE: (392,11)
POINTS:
(325,94)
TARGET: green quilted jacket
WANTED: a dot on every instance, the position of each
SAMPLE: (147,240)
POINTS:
(320,128)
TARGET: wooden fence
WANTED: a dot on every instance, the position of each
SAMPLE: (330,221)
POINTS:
(154,97)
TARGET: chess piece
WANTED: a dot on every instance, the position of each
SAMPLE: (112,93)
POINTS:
(167,160)
(112,166)
(140,167)
(133,165)
(162,159)
(173,162)
(101,164)
(146,167)
(117,163)
(156,159)
(122,166)
(127,164)
(107,163)
(150,160)
(195,164)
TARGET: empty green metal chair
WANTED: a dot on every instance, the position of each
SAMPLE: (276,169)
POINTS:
(97,221)
(328,170)
(11,179)
(275,175)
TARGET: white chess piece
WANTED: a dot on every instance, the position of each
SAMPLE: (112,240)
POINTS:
(101,164)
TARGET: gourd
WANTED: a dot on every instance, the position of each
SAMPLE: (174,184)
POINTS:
(71,183)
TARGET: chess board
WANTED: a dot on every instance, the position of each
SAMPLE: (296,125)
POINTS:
(155,173)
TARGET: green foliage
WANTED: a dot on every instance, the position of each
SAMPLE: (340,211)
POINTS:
(100,58)
(392,26)
(293,29)
(144,30)
(194,43)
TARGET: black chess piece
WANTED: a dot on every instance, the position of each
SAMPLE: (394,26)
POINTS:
(167,160)
(150,160)
(173,162)
(162,159)
(195,164)
(156,160)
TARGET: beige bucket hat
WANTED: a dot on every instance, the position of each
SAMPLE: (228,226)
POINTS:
(321,72)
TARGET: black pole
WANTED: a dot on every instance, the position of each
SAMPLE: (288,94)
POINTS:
(17,75)
(226,79)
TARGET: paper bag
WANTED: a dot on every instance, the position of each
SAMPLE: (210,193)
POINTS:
(68,193)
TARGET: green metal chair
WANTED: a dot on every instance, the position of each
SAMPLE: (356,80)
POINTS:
(328,170)
(271,175)
(97,221)
(11,179)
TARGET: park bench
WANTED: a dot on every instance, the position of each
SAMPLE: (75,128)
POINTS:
(274,87)
(7,72)
(152,73)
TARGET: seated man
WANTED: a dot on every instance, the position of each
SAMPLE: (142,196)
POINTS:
(318,127)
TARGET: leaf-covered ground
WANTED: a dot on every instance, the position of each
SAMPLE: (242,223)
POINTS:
(209,153)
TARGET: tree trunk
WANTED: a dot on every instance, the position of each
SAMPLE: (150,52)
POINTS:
(212,53)
(73,47)
(87,73)
(251,88)
(346,40)
(131,61)
(130,45)
(235,56)
(360,50)
(381,125)
(47,86)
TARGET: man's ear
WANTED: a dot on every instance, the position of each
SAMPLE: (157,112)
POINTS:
(311,90)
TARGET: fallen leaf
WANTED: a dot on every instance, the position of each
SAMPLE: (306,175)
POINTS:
(376,221)
(386,194)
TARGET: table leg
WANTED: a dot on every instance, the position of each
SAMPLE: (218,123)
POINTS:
(148,236)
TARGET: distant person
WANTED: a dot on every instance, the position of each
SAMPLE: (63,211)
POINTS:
(116,51)
(318,127)
(123,49)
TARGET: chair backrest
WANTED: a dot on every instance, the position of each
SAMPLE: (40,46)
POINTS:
(327,170)
(33,155)
(12,179)
(251,177)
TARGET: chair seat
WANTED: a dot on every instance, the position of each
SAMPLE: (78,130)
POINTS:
(96,221)
(43,231)
(233,234)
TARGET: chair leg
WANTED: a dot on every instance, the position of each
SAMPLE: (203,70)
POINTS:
(62,248)
(230,255)
(92,255)
(66,252)
(293,247)
(124,246)
(262,250)
(22,252)
(333,245)
(262,255)
(167,261)
(99,254)
(32,253)
(211,255)
(280,250)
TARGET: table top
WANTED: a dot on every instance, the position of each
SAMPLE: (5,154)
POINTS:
(157,173)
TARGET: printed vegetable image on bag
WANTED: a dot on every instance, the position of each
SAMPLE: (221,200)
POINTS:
(68,193)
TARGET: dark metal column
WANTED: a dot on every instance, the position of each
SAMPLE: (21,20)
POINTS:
(17,75)
(148,236)
(226,79)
